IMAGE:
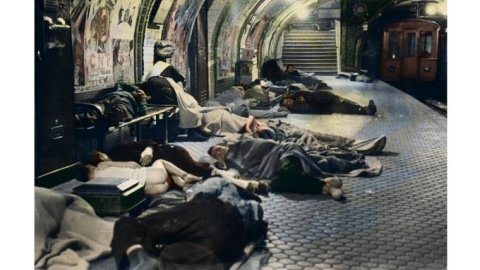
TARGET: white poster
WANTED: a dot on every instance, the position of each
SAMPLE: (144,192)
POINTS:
(124,18)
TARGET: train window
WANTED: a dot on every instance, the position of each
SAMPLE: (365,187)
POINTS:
(426,40)
(411,46)
(394,45)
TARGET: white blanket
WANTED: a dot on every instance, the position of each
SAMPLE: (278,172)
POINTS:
(68,234)
(189,109)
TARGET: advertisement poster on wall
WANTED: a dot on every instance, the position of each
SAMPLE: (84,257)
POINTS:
(109,32)
(98,51)
(225,44)
(122,29)
(178,29)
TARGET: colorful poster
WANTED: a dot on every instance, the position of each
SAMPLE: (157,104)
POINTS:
(179,29)
(123,59)
(98,51)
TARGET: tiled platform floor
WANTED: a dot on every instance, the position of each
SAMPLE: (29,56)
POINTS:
(395,221)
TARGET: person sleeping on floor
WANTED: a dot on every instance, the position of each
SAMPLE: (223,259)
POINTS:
(324,102)
(290,168)
(233,127)
(159,168)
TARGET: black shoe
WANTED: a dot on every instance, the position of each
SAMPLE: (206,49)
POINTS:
(371,108)
(193,135)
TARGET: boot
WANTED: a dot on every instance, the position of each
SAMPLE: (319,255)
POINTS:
(195,136)
(371,109)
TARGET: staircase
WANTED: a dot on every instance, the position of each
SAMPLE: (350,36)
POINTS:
(310,50)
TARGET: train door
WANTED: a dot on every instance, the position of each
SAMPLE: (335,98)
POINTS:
(410,51)
(428,51)
(410,60)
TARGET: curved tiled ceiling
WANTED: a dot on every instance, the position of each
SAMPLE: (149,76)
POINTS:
(273,15)
(280,13)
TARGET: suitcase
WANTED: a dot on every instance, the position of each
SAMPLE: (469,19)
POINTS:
(112,196)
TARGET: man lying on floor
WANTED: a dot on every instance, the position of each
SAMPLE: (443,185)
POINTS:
(234,127)
(310,140)
(324,102)
(292,169)
(240,104)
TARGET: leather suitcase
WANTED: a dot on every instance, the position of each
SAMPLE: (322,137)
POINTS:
(112,196)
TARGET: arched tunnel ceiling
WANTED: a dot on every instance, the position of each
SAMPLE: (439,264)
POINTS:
(281,11)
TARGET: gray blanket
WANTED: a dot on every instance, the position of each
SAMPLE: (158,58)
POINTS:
(263,159)
(68,234)
(221,122)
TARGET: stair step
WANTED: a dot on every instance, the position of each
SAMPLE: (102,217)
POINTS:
(309,47)
(313,42)
(310,51)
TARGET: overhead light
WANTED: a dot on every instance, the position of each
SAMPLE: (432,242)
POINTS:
(365,26)
(431,9)
(303,13)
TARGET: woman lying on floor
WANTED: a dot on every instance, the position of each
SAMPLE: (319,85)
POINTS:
(156,179)
(168,166)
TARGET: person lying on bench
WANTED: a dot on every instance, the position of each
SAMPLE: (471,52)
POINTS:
(165,84)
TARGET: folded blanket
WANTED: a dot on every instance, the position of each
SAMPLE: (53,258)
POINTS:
(68,233)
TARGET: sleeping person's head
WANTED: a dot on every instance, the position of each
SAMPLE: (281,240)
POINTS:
(290,68)
(218,152)
(86,172)
(287,102)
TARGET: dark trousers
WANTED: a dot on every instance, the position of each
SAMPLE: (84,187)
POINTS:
(179,156)
(326,102)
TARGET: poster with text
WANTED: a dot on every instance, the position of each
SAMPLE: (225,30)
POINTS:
(98,51)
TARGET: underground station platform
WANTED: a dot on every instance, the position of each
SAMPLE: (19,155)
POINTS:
(397,220)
